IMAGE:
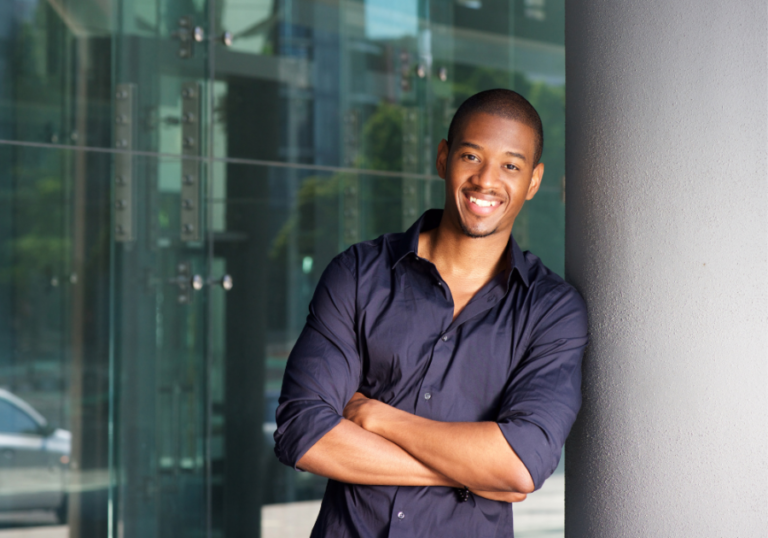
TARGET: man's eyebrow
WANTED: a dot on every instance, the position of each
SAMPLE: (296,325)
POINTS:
(510,153)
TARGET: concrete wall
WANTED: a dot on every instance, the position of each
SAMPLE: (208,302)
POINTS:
(667,240)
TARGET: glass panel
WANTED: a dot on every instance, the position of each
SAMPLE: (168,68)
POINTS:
(63,265)
(64,60)
(374,85)
(319,120)
(54,338)
(160,368)
(303,78)
(55,68)
(282,227)
(347,102)
(162,48)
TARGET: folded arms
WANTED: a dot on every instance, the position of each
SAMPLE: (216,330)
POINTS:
(377,444)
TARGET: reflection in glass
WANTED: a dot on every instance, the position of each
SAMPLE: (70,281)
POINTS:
(34,460)
(54,338)
(314,127)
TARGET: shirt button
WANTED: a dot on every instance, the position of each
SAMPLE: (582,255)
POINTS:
(427,396)
(401,515)
(439,283)
(445,338)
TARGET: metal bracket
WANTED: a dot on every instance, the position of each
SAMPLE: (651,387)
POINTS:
(186,282)
(188,36)
(125,95)
(190,167)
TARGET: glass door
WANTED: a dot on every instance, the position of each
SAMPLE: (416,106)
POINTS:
(321,138)
(156,153)
(161,270)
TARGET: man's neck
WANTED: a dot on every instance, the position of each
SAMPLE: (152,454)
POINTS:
(458,256)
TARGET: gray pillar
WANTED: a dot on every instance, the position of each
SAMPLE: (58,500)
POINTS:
(667,240)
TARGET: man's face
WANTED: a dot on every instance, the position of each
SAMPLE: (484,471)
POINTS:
(489,173)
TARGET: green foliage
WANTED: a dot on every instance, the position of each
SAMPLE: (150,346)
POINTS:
(40,244)
(383,139)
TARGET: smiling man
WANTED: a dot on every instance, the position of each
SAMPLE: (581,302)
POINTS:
(439,371)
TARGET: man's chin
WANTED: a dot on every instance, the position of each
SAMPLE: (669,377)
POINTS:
(476,233)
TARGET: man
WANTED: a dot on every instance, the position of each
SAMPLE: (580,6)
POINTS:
(439,371)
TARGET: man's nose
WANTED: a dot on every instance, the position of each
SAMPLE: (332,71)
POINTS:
(487,176)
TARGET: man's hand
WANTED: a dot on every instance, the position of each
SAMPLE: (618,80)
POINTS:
(472,453)
(365,412)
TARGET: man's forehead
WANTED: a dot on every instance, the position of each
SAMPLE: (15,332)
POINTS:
(517,134)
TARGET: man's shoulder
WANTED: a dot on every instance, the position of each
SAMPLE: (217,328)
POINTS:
(362,256)
(546,286)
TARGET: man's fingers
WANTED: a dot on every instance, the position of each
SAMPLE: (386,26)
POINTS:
(507,497)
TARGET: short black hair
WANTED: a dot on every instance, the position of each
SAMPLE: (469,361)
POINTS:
(504,103)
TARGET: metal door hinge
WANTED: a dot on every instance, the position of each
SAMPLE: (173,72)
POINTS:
(125,96)
(190,166)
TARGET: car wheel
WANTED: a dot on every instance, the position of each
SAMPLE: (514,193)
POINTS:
(62,511)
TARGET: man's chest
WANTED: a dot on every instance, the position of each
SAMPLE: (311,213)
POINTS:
(418,358)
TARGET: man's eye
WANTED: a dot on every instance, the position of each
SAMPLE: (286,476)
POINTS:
(512,167)
(470,157)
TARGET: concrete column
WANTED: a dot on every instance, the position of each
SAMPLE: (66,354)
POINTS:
(667,240)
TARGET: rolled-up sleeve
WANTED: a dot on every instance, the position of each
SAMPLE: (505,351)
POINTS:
(543,395)
(323,369)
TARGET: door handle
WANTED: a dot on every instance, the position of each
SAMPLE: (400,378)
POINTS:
(225,282)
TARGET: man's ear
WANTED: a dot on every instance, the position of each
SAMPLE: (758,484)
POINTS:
(442,158)
(533,187)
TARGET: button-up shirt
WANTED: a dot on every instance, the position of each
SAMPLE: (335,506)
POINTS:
(381,322)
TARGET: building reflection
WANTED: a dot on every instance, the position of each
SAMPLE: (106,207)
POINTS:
(174,177)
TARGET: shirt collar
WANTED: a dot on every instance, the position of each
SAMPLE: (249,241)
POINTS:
(400,245)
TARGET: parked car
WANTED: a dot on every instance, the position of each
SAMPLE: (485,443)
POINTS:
(34,459)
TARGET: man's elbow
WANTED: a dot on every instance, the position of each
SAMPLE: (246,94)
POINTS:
(525,484)
(519,480)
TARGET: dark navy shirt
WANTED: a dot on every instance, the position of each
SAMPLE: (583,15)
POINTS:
(381,322)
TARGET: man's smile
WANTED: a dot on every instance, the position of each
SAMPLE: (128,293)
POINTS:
(481,204)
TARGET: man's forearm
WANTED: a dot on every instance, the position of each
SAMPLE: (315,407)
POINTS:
(348,453)
(475,454)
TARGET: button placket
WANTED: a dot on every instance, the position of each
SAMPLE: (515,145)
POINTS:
(400,518)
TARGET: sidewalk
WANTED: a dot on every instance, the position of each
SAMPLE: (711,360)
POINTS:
(539,516)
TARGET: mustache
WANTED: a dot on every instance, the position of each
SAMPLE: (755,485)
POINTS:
(478,190)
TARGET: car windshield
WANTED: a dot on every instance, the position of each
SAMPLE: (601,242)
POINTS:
(14,420)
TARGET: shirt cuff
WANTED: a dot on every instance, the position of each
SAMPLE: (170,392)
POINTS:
(533,446)
(297,435)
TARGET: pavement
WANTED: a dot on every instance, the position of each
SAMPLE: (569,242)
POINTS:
(539,516)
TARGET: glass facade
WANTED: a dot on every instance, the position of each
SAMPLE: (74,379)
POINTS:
(174,177)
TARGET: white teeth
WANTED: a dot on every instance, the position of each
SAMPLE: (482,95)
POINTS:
(482,203)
